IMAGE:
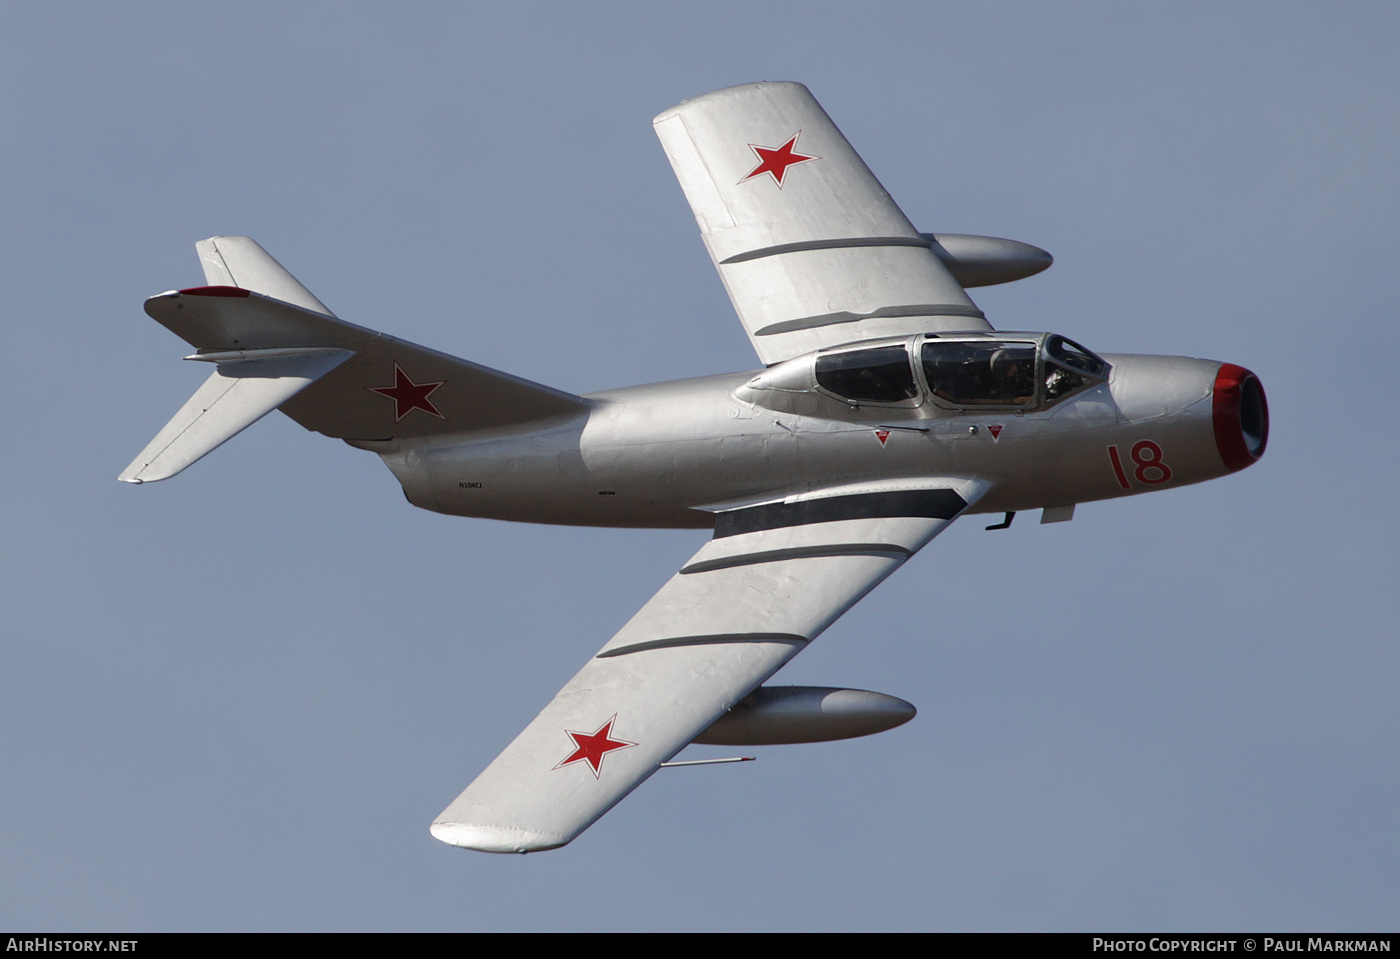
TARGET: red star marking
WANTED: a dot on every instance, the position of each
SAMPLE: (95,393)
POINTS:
(592,747)
(408,395)
(995,429)
(882,436)
(775,162)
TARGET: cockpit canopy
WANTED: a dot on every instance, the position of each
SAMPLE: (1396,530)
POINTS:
(954,371)
(879,374)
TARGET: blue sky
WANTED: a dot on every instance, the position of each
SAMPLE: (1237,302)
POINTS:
(235,700)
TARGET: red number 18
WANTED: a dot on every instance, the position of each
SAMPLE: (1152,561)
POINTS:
(1147,456)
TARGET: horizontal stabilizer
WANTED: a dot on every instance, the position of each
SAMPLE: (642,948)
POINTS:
(278,347)
(245,386)
(391,389)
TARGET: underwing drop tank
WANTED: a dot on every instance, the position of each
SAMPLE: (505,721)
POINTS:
(987,260)
(778,715)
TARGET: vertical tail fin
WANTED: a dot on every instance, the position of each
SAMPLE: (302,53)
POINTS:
(278,347)
(239,261)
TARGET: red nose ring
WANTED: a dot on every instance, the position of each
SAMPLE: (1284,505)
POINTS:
(1241,415)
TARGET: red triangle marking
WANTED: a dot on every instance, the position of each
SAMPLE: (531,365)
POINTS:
(882,436)
(995,430)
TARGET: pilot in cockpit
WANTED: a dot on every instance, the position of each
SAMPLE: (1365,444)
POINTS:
(1013,375)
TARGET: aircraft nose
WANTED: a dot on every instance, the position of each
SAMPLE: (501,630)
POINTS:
(1241,415)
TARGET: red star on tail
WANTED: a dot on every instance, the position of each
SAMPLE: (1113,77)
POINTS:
(592,747)
(408,395)
(775,162)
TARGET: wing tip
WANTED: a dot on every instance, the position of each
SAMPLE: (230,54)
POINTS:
(139,474)
(737,90)
(500,839)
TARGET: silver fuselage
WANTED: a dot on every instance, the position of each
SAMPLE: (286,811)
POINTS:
(670,454)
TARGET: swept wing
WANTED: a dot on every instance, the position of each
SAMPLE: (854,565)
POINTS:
(811,249)
(772,578)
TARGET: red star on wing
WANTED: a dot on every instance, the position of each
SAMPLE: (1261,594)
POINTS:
(776,162)
(408,395)
(593,747)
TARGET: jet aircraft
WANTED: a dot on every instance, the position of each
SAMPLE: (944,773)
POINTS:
(887,407)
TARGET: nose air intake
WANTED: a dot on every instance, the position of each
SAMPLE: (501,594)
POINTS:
(1241,415)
